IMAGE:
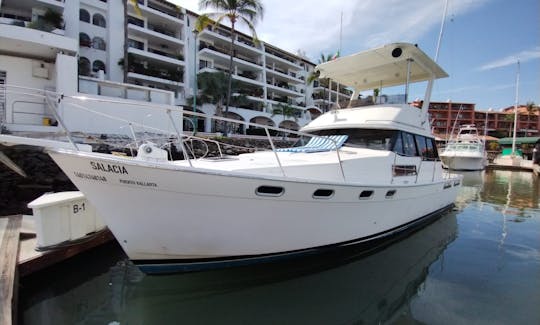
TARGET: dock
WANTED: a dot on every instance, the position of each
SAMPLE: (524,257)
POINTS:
(514,164)
(19,258)
(9,251)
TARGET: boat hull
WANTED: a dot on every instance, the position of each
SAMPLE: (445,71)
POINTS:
(463,163)
(170,218)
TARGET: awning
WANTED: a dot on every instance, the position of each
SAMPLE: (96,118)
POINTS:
(522,140)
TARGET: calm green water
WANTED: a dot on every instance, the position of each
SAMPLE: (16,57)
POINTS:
(479,264)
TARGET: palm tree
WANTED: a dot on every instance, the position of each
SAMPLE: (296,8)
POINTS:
(531,110)
(125,61)
(285,110)
(213,89)
(326,81)
(246,11)
(509,118)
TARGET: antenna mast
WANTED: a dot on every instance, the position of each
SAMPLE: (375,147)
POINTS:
(515,111)
(427,96)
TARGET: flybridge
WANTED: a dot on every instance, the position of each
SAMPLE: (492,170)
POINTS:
(391,65)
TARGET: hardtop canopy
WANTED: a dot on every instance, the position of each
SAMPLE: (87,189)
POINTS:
(385,66)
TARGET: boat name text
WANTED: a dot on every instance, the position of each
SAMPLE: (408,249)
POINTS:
(117,169)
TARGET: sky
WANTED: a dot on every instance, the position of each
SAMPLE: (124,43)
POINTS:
(481,44)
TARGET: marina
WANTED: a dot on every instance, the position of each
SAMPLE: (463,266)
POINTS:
(159,166)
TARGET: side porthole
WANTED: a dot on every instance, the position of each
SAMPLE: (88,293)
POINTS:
(390,194)
(365,195)
(266,190)
(323,193)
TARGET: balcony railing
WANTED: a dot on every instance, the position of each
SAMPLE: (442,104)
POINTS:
(227,52)
(169,74)
(161,30)
(169,55)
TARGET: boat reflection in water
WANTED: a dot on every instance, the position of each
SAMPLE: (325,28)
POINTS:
(340,289)
(471,189)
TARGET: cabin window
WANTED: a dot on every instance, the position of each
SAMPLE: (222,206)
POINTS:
(390,194)
(266,190)
(404,170)
(364,195)
(363,138)
(398,144)
(409,145)
(432,149)
(323,193)
(421,145)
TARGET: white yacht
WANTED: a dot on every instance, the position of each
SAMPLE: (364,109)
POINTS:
(466,152)
(366,175)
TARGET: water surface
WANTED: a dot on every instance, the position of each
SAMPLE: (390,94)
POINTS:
(479,264)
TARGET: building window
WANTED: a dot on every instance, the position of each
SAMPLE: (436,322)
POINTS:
(135,44)
(99,20)
(98,65)
(84,16)
(84,66)
(84,40)
(98,43)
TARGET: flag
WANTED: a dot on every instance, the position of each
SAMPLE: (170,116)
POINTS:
(136,6)
(335,56)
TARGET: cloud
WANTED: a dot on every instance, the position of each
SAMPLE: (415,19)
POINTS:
(313,26)
(522,56)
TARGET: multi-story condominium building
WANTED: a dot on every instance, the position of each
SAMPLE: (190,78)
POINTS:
(448,116)
(93,38)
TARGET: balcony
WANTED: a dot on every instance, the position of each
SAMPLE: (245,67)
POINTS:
(154,11)
(240,76)
(157,55)
(162,36)
(281,60)
(222,38)
(165,75)
(221,57)
(284,89)
(283,74)
(19,38)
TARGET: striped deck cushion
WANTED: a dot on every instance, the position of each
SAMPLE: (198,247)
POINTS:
(318,144)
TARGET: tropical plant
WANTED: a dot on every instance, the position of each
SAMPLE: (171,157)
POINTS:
(532,109)
(235,11)
(54,18)
(50,21)
(509,118)
(126,62)
(213,89)
(286,111)
(325,82)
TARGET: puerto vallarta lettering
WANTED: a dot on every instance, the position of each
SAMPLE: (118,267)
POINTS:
(140,183)
(117,169)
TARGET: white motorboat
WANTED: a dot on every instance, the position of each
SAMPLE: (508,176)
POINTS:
(466,152)
(369,174)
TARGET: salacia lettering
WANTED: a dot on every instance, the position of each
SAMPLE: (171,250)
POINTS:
(117,169)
